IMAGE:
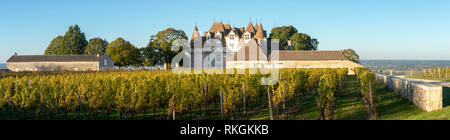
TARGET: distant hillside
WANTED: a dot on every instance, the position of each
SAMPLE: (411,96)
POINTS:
(2,66)
(402,67)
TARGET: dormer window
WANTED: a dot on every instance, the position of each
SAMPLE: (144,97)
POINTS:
(208,36)
(218,36)
(247,36)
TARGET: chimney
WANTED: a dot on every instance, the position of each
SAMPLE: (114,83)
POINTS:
(15,54)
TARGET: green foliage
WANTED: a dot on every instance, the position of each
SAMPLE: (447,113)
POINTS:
(137,92)
(325,97)
(74,41)
(283,33)
(299,41)
(302,41)
(350,54)
(163,40)
(122,52)
(367,81)
(96,46)
(53,47)
(152,56)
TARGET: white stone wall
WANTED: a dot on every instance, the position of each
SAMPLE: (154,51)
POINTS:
(427,95)
(295,64)
(55,66)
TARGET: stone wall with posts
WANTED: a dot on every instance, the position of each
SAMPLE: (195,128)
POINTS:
(426,94)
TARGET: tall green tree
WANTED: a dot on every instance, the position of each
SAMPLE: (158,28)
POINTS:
(302,41)
(96,46)
(151,56)
(315,44)
(299,41)
(283,33)
(123,53)
(350,54)
(74,41)
(54,45)
(164,39)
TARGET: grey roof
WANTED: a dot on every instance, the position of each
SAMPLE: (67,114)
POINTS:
(308,55)
(55,58)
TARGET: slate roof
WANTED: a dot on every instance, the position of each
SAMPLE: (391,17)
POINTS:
(217,26)
(56,58)
(195,33)
(250,28)
(259,33)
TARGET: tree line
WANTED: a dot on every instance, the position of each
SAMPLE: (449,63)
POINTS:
(120,50)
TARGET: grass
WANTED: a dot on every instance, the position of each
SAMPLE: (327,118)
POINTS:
(428,78)
(349,106)
(390,106)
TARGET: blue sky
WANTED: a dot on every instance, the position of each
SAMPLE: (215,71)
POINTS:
(376,29)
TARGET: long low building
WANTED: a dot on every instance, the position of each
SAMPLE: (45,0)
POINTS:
(18,63)
(290,59)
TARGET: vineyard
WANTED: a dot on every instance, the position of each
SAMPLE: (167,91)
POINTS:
(435,73)
(162,95)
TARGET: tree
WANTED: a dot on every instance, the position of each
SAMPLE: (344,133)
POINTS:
(283,33)
(74,41)
(54,45)
(151,56)
(315,43)
(302,41)
(350,54)
(96,46)
(163,40)
(123,52)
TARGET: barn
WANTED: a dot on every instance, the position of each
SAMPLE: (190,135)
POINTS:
(18,63)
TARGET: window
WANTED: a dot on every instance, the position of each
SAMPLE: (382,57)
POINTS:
(218,36)
(105,62)
(232,45)
(232,37)
(247,36)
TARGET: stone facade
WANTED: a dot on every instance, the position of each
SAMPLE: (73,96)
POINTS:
(99,64)
(295,64)
(321,64)
(427,95)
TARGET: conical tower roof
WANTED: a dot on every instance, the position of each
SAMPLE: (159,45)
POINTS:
(259,33)
(195,34)
(250,28)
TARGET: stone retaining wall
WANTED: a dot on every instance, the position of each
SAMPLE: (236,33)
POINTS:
(427,95)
